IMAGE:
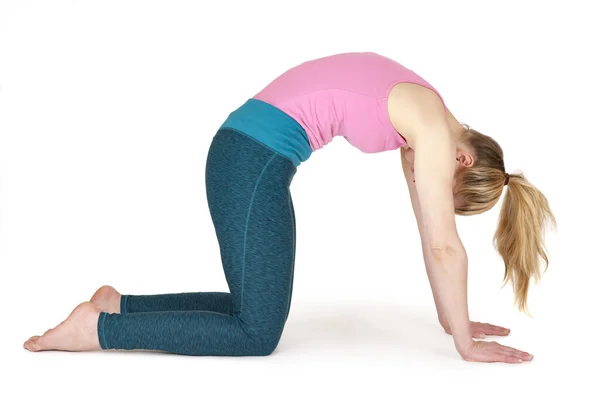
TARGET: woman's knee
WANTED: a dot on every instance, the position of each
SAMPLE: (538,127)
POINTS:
(266,348)
(264,339)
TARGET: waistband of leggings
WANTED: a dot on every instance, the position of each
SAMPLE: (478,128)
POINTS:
(273,127)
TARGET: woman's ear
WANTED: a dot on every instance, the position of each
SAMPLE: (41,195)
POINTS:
(464,158)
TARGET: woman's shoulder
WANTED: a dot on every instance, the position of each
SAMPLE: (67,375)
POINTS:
(410,105)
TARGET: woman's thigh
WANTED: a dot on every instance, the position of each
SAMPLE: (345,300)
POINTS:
(247,187)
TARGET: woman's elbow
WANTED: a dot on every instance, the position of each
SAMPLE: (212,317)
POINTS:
(454,251)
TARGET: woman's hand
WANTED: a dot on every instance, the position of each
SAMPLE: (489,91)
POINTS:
(482,351)
(480,330)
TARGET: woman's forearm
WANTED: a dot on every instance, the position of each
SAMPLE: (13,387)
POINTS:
(447,271)
(436,298)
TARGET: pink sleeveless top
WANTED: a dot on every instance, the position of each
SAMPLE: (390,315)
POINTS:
(343,95)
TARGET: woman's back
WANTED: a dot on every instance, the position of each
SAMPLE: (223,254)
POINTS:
(342,95)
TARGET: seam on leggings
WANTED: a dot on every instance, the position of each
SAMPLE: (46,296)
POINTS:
(293,250)
(246,228)
(292,214)
(241,325)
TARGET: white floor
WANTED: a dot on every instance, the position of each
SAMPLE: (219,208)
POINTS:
(340,349)
(106,114)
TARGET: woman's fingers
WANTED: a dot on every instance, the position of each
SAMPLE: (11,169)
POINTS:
(517,353)
(511,359)
(483,351)
(496,330)
(488,329)
(510,352)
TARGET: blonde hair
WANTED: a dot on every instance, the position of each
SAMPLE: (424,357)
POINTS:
(519,236)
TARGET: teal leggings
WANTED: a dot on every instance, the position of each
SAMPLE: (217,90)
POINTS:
(248,192)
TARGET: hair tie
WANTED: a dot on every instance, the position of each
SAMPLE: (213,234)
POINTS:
(506,177)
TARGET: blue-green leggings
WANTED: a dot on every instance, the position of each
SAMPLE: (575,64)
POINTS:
(248,192)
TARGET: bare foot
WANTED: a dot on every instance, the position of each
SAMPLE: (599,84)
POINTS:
(107,299)
(79,332)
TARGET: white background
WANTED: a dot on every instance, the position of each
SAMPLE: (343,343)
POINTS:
(107,110)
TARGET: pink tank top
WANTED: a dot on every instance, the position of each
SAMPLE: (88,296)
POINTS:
(343,95)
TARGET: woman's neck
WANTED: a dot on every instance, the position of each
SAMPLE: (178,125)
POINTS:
(456,128)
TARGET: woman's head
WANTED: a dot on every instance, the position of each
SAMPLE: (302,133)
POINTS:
(480,174)
(519,238)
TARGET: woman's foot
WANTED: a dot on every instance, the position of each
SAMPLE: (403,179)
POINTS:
(79,332)
(107,299)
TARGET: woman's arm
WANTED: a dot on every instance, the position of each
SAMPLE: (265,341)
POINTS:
(423,122)
(421,116)
(414,199)
(422,119)
(434,172)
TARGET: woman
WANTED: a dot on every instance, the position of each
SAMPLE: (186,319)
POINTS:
(377,105)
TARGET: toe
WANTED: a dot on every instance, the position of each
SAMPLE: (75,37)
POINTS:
(50,340)
(32,344)
(41,343)
(27,344)
(36,345)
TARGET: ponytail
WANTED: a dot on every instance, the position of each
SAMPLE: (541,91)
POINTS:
(519,237)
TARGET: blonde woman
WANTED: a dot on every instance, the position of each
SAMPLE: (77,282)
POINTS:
(377,105)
